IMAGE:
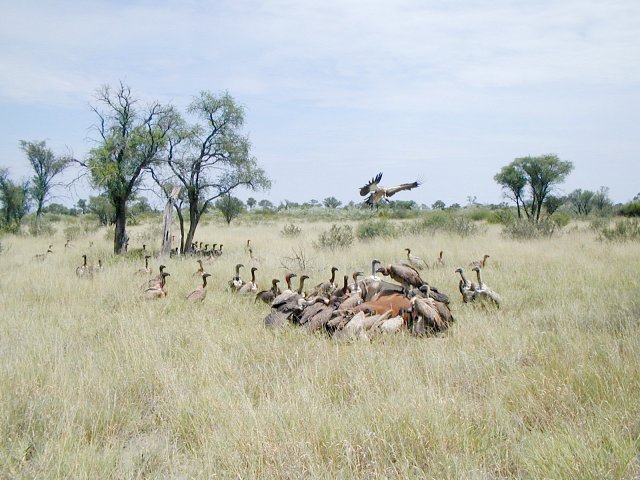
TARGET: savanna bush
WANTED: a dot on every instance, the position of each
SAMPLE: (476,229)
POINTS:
(371,229)
(631,209)
(78,230)
(334,238)
(621,231)
(444,222)
(502,216)
(525,230)
(41,227)
(291,230)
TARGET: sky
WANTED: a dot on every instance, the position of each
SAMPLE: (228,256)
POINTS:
(444,92)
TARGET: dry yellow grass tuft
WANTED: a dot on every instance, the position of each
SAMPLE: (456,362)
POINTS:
(97,383)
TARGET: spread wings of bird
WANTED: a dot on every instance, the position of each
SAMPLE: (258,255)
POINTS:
(377,192)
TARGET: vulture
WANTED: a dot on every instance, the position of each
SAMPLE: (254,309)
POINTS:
(236,282)
(200,293)
(416,262)
(159,290)
(327,287)
(267,296)
(467,289)
(377,193)
(483,293)
(250,287)
(84,270)
(480,263)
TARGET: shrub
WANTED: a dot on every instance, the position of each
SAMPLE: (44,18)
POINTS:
(525,230)
(291,230)
(79,230)
(336,237)
(445,222)
(376,228)
(38,227)
(502,216)
(622,231)
(478,214)
(631,209)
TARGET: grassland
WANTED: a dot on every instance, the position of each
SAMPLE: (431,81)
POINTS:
(97,383)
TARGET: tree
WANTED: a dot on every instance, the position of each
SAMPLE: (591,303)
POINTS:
(331,202)
(266,205)
(230,207)
(130,140)
(601,200)
(251,202)
(14,201)
(553,203)
(438,205)
(513,181)
(210,158)
(541,174)
(82,206)
(581,201)
(46,167)
(102,208)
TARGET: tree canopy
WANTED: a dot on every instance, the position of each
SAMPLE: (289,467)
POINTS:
(209,157)
(46,167)
(130,140)
(529,180)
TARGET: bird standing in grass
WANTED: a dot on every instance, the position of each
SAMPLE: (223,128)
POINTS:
(200,293)
(416,262)
(158,291)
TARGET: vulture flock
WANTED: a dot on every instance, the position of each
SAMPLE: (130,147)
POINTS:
(393,298)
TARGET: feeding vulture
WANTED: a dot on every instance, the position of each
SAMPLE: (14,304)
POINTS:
(377,193)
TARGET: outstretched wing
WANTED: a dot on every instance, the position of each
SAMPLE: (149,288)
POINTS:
(371,186)
(405,186)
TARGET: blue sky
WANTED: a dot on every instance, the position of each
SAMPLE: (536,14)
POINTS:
(446,92)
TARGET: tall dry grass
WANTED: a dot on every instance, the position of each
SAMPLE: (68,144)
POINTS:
(97,383)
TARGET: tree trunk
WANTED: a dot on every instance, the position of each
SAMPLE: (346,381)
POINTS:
(166,228)
(181,223)
(120,236)
(194,218)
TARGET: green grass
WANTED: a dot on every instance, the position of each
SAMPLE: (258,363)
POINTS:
(97,383)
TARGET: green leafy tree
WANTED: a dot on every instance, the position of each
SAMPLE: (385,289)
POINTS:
(266,205)
(82,206)
(601,201)
(230,207)
(251,202)
(46,167)
(581,201)
(540,174)
(553,203)
(438,205)
(331,202)
(513,182)
(103,209)
(130,140)
(14,202)
(210,157)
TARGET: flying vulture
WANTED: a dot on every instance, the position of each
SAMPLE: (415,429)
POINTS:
(377,193)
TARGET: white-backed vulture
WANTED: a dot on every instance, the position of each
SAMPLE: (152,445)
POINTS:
(483,293)
(250,287)
(416,262)
(480,263)
(236,282)
(200,293)
(377,193)
(158,291)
